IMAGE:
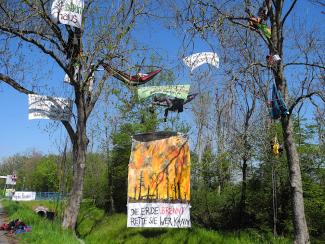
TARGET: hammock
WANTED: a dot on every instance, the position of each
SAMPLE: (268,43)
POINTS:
(135,80)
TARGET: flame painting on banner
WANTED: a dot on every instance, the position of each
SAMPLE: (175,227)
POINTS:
(159,181)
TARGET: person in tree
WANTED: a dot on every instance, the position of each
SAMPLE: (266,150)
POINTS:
(256,22)
(172,104)
(263,12)
(276,147)
(273,59)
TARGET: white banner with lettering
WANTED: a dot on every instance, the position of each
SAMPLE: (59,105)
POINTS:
(195,60)
(170,215)
(67,12)
(24,196)
(45,107)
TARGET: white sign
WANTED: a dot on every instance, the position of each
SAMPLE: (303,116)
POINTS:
(67,12)
(10,180)
(24,196)
(169,215)
(44,107)
(195,60)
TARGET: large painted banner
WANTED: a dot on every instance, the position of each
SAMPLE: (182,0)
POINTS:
(24,196)
(67,12)
(44,107)
(159,181)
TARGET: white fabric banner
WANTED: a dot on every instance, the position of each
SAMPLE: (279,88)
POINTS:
(24,196)
(195,60)
(45,107)
(10,180)
(67,12)
(169,215)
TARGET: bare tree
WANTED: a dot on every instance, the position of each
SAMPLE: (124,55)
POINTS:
(229,20)
(103,37)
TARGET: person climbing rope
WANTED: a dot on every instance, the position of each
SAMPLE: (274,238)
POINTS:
(276,147)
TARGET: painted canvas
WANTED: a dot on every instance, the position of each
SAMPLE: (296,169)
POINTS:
(159,181)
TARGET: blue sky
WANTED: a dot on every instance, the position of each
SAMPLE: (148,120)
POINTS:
(20,135)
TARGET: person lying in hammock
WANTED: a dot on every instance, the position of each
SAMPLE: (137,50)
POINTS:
(132,80)
(172,104)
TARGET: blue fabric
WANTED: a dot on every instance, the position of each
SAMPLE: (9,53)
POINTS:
(278,105)
(275,112)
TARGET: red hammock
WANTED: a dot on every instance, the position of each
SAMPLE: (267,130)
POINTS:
(135,80)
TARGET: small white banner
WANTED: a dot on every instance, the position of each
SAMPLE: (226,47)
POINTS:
(67,12)
(168,215)
(10,180)
(44,107)
(24,196)
(195,60)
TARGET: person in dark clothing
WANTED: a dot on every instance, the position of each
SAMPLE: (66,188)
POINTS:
(172,104)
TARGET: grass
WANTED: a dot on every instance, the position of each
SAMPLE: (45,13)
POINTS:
(43,230)
(94,227)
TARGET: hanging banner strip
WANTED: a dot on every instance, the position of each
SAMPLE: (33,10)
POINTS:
(179,91)
(45,107)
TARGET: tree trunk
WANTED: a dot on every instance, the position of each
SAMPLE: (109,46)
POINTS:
(72,210)
(299,220)
(79,150)
(111,189)
(242,205)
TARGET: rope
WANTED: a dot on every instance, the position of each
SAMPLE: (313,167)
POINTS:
(274,199)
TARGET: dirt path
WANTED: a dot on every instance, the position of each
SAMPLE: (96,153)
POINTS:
(4,239)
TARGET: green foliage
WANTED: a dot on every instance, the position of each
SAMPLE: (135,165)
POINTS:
(211,210)
(45,176)
(95,181)
(113,228)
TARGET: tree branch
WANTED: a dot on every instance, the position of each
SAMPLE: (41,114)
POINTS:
(287,14)
(307,64)
(70,130)
(36,43)
(14,84)
(301,98)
